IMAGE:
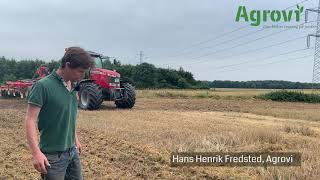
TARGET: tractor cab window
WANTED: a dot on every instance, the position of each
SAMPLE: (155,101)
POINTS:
(98,62)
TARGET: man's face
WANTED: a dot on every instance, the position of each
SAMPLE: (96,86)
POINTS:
(76,73)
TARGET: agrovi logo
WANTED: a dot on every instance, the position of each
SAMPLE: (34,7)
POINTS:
(256,16)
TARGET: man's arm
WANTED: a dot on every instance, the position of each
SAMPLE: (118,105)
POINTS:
(39,160)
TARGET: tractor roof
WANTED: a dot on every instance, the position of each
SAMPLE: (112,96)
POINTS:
(94,54)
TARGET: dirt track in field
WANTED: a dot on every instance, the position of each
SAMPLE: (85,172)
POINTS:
(134,143)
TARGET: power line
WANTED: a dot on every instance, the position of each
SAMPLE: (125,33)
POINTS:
(225,42)
(224,34)
(225,49)
(262,48)
(269,57)
(274,62)
(217,44)
(206,41)
(238,45)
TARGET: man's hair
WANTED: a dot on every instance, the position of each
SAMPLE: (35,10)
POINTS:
(77,57)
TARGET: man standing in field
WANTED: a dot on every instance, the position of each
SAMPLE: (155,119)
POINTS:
(53,102)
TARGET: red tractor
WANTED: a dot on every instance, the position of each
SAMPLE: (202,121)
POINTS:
(104,85)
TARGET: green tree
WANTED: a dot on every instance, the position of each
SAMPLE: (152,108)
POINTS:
(183,84)
(144,75)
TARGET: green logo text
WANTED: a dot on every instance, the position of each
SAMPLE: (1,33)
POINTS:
(255,16)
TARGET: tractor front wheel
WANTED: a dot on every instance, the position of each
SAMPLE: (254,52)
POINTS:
(90,96)
(129,96)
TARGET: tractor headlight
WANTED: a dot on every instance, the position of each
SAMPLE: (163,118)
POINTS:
(114,80)
(117,80)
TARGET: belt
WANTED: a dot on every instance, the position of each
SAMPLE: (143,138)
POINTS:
(68,150)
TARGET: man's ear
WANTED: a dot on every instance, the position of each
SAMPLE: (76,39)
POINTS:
(68,64)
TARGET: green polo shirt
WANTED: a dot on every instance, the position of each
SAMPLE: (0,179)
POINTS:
(57,117)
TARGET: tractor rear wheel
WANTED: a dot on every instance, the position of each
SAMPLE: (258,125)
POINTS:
(90,96)
(129,96)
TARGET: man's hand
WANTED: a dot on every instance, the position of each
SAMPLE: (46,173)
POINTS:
(40,162)
(78,145)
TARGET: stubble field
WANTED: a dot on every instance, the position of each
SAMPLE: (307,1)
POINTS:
(136,143)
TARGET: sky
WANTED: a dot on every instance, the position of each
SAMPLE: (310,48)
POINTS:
(199,36)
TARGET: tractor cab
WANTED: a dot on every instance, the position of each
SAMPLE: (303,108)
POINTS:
(101,61)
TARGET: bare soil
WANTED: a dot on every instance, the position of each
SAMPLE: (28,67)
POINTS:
(136,143)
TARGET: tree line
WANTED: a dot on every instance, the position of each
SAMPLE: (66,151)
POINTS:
(11,69)
(144,75)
